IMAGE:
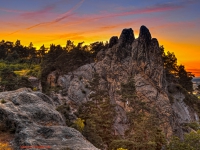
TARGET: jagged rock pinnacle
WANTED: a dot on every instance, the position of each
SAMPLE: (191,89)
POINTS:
(126,36)
(145,35)
(113,41)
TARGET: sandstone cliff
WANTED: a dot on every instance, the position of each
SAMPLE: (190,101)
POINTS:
(31,119)
(126,57)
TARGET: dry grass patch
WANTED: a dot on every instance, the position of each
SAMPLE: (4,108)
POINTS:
(5,139)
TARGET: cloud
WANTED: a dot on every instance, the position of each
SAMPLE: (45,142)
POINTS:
(127,23)
(43,11)
(71,36)
(60,18)
(32,14)
(80,19)
(151,9)
(12,33)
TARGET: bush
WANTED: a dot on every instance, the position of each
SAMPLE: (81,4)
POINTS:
(191,142)
(193,125)
(35,89)
(79,124)
(125,144)
(3,101)
(121,149)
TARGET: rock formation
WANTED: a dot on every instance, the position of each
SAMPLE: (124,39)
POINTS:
(32,118)
(123,58)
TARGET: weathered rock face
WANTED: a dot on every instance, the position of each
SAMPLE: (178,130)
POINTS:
(127,57)
(113,41)
(32,118)
(35,82)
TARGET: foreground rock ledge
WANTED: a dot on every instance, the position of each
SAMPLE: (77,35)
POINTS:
(32,118)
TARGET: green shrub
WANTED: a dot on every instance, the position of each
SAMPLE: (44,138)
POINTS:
(191,142)
(125,144)
(193,125)
(35,89)
(122,149)
(79,124)
(3,101)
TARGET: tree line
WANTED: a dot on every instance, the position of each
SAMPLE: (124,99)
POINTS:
(16,57)
(70,57)
(176,73)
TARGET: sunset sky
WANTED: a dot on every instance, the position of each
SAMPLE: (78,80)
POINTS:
(175,23)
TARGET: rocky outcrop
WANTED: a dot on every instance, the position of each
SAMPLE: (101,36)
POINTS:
(113,41)
(126,57)
(32,118)
(35,82)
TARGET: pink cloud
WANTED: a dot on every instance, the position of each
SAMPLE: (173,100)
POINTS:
(104,15)
(60,18)
(31,14)
(40,12)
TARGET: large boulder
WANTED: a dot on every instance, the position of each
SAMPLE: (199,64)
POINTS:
(32,119)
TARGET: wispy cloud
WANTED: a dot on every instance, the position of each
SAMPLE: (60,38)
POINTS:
(71,36)
(41,12)
(13,33)
(60,18)
(31,14)
(151,9)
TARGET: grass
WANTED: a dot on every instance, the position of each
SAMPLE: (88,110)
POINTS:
(5,138)
(22,69)
(22,72)
(5,146)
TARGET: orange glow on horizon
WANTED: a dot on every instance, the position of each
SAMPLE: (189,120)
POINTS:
(180,49)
